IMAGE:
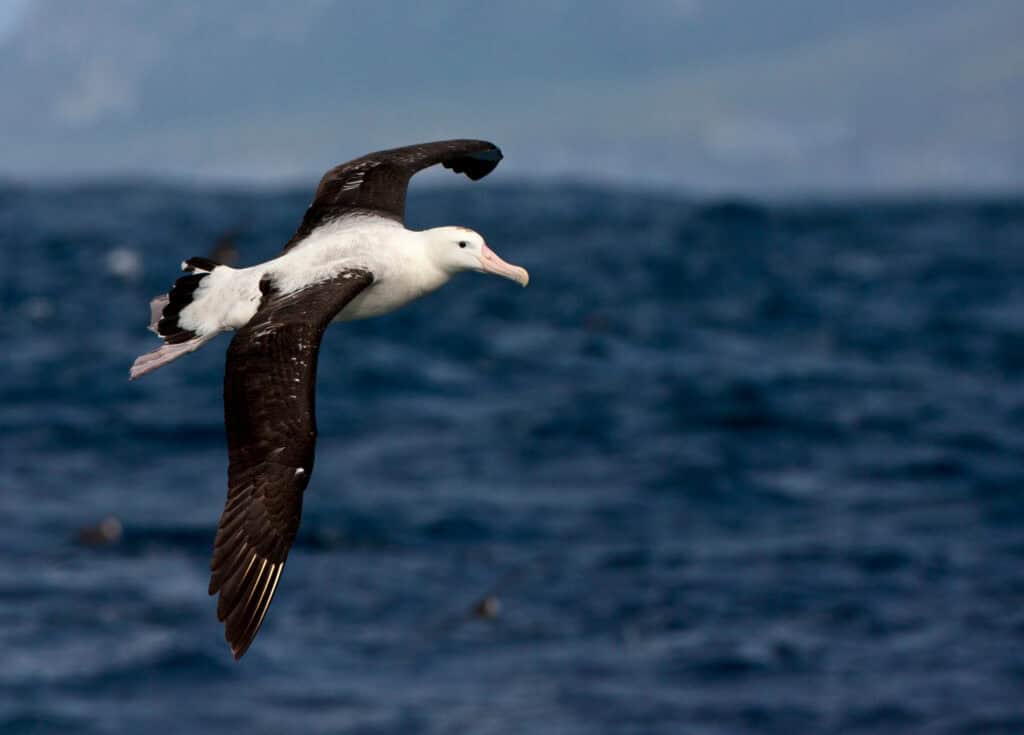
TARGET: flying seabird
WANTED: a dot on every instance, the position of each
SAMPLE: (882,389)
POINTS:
(351,258)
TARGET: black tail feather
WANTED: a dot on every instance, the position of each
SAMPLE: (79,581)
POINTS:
(178,298)
(164,315)
(199,263)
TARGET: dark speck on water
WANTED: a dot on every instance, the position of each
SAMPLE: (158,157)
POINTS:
(724,467)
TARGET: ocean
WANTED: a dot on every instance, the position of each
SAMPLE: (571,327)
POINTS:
(725,466)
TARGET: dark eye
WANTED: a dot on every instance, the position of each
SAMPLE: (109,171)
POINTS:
(463,244)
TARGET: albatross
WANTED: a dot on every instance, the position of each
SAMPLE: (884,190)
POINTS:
(350,258)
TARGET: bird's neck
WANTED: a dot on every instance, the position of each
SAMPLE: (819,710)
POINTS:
(423,273)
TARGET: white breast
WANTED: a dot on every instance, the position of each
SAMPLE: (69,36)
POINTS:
(397,257)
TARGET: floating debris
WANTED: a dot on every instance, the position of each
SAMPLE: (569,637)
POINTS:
(107,532)
(489,607)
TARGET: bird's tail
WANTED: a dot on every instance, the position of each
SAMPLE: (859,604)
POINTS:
(183,331)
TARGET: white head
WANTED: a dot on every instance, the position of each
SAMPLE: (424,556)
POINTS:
(456,249)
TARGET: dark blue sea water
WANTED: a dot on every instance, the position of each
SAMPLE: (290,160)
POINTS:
(725,468)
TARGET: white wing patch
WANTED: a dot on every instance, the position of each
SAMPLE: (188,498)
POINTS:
(355,181)
(358,175)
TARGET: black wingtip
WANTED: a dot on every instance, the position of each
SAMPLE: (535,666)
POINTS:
(476,165)
(239,651)
(245,596)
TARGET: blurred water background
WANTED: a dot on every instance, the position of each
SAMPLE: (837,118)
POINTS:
(724,467)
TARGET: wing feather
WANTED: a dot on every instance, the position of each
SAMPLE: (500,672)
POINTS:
(269,412)
(376,184)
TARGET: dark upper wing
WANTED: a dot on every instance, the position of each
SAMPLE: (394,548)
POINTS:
(377,182)
(269,399)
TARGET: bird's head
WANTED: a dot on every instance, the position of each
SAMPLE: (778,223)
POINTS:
(456,249)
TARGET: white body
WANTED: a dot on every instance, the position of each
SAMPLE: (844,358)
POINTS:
(398,258)
(405,265)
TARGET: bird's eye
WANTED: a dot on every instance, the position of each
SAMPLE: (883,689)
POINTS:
(463,243)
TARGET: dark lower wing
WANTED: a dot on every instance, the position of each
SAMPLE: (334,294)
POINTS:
(376,183)
(269,412)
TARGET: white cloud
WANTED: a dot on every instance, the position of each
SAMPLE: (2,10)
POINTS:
(702,95)
(100,91)
(772,140)
(11,13)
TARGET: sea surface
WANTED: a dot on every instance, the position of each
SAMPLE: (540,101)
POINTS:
(724,467)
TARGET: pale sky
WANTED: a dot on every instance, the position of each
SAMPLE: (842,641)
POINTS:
(10,12)
(802,96)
